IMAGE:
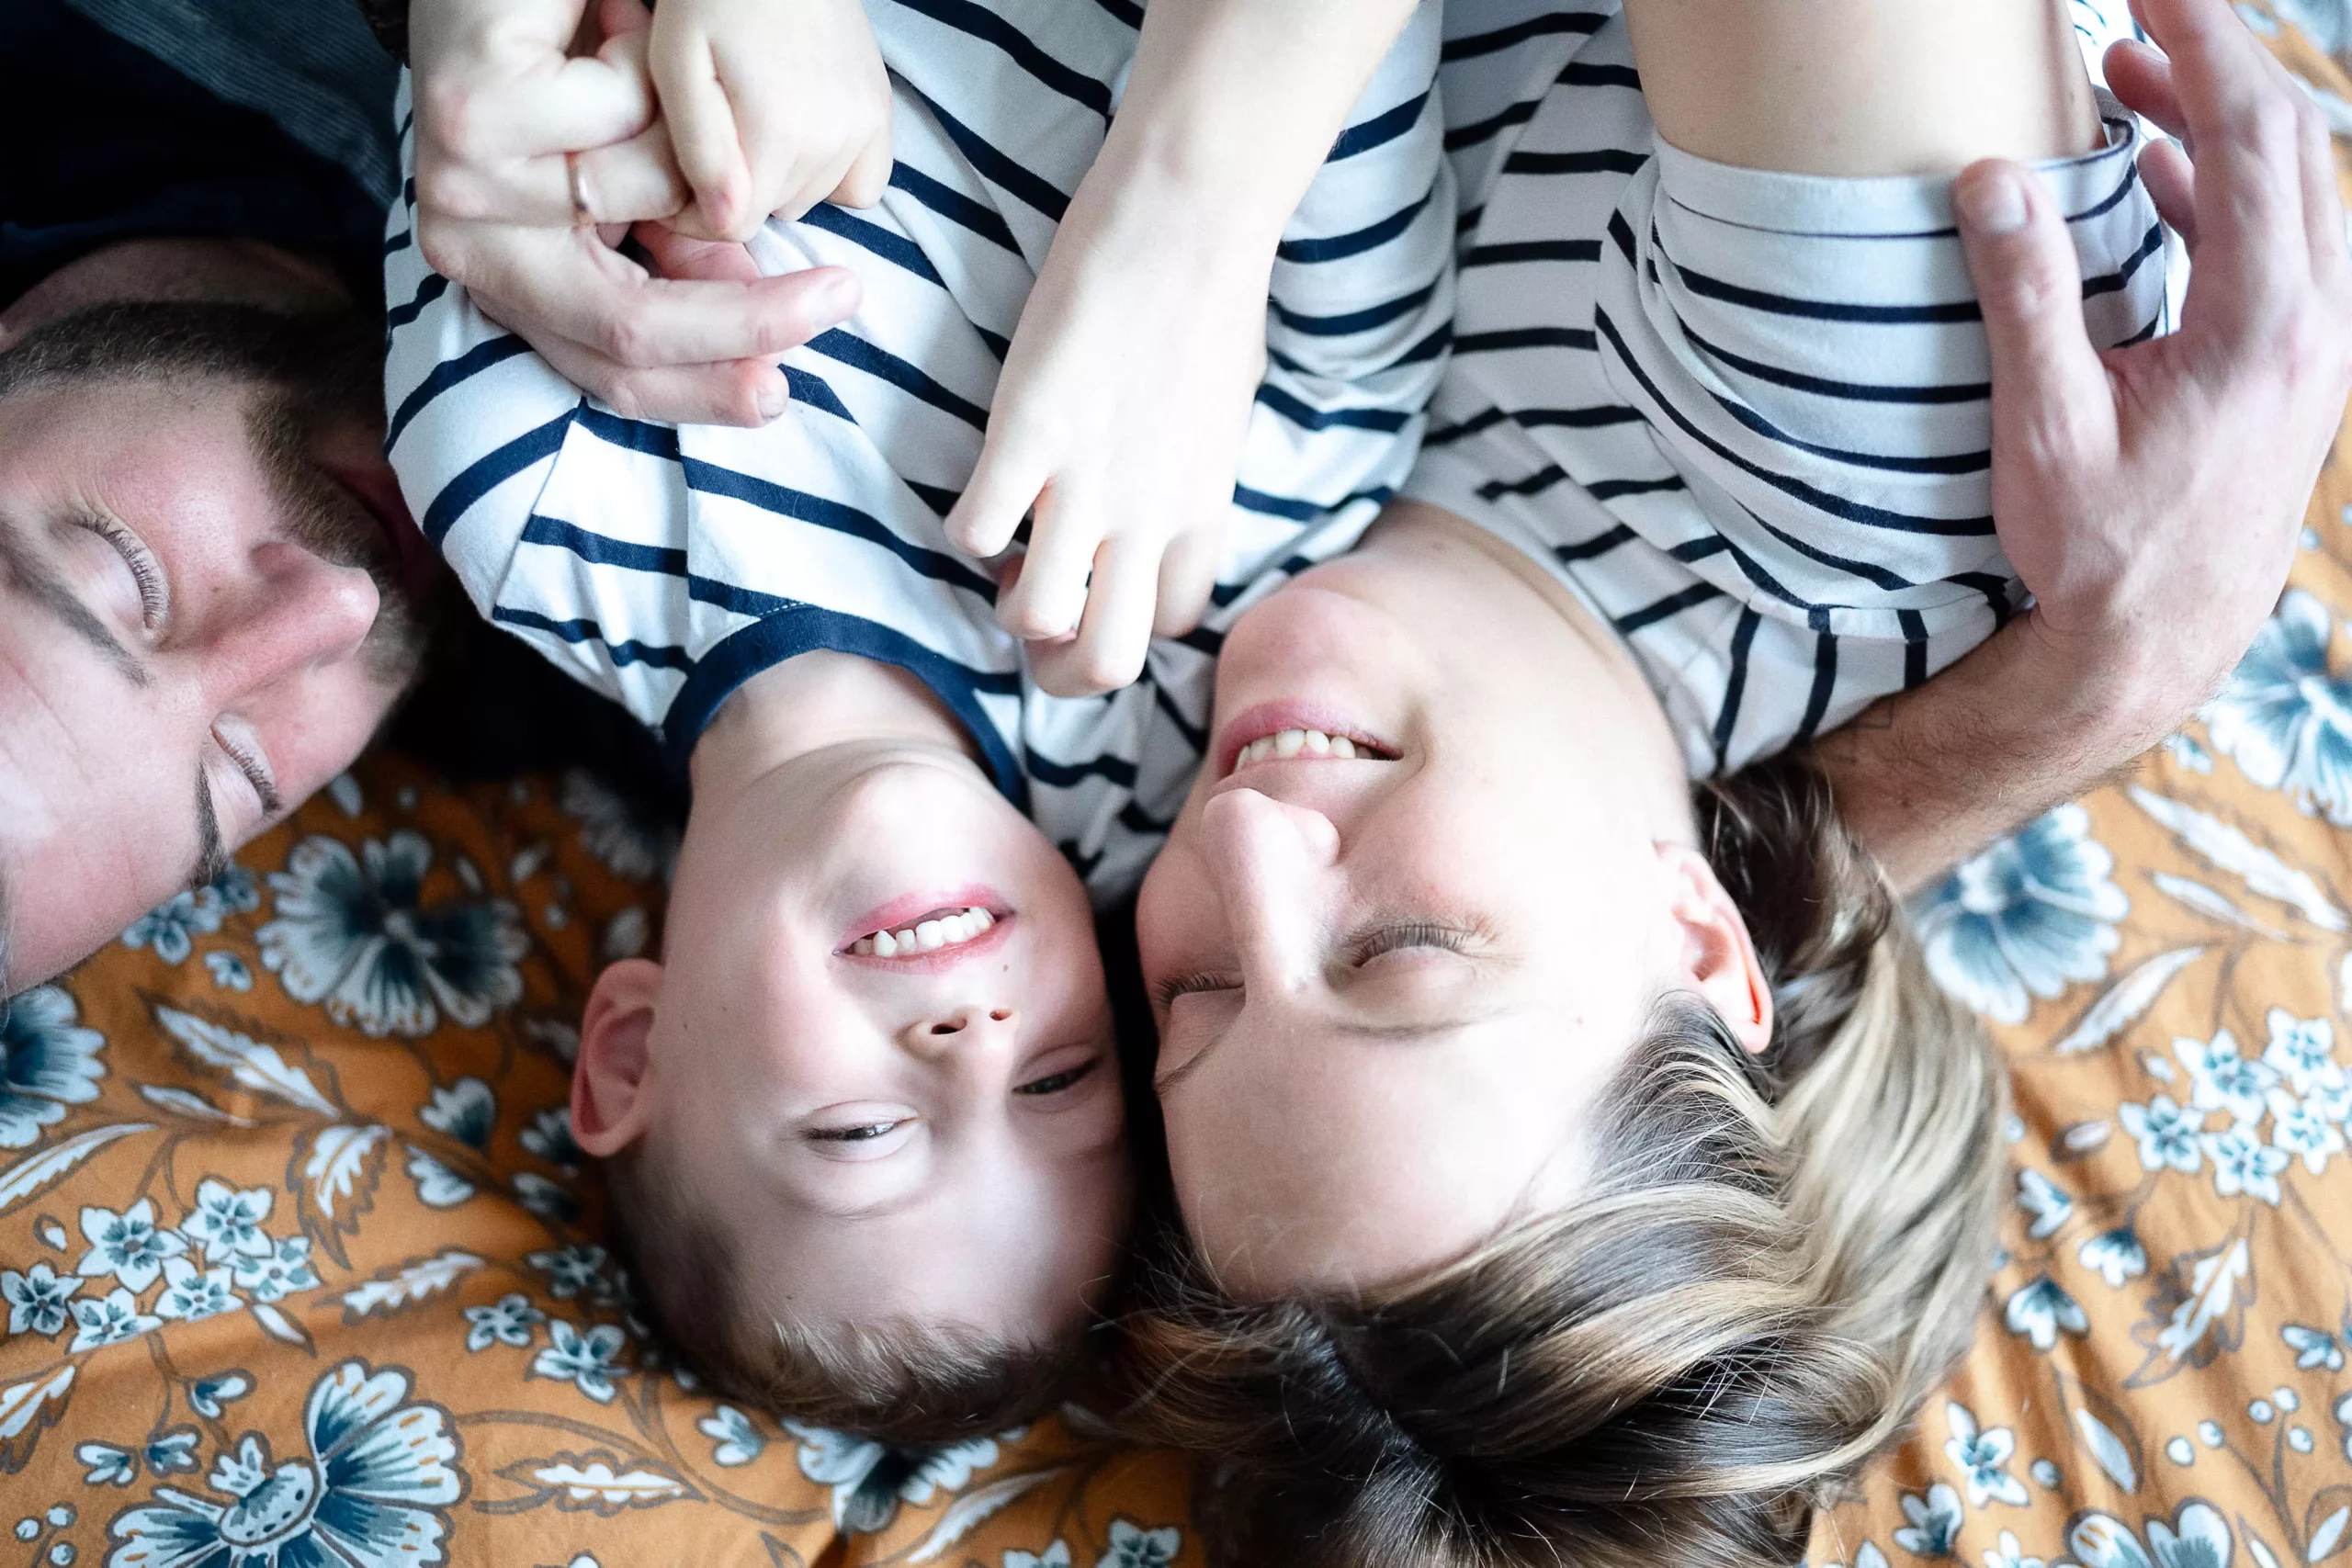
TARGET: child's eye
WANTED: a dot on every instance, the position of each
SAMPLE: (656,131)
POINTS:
(1054,1083)
(864,1133)
(1391,939)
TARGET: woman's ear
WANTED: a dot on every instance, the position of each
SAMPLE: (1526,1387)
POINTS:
(611,1104)
(1718,959)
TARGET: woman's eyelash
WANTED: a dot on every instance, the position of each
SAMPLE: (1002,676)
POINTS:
(1167,990)
(1389,939)
(155,594)
(1055,1083)
(863,1133)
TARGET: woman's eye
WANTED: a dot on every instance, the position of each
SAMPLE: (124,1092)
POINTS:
(1392,939)
(864,1133)
(1167,991)
(1054,1083)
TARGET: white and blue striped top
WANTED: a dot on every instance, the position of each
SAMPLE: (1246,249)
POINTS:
(1744,416)
(664,566)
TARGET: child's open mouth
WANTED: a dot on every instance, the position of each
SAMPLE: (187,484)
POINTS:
(938,929)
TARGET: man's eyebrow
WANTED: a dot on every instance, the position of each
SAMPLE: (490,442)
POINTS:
(211,852)
(49,591)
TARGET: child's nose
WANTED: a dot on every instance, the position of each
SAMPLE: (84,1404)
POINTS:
(959,1029)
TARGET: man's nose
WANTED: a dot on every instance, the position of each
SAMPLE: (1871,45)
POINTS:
(1271,860)
(297,612)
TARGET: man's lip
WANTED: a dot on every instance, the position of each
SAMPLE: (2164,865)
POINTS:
(1273,718)
(904,910)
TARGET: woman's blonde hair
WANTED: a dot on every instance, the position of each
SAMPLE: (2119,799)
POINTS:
(1779,1257)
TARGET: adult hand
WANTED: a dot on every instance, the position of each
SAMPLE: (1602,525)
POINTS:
(501,98)
(773,105)
(2151,498)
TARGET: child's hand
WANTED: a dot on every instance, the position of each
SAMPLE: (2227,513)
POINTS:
(773,105)
(1119,419)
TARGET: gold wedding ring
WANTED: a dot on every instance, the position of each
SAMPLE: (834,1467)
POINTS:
(581,217)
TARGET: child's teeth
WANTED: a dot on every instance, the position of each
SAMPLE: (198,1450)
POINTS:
(863,945)
(884,946)
(926,936)
(981,920)
(1343,746)
(1317,743)
(905,939)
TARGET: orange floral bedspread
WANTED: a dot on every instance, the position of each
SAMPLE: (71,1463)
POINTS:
(300,1263)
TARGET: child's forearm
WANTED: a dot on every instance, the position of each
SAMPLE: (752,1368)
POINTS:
(1864,87)
(1236,104)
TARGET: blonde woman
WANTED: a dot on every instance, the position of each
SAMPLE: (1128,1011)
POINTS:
(1571,1168)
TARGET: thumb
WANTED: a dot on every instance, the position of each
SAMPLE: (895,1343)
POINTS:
(2050,386)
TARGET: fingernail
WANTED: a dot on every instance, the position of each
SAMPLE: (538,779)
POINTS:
(841,293)
(1992,202)
(772,400)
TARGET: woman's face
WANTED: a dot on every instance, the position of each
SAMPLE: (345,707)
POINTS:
(1390,984)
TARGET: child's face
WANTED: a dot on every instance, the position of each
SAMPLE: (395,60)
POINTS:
(936,1135)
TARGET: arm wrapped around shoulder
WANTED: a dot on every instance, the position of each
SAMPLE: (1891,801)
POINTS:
(1776,1259)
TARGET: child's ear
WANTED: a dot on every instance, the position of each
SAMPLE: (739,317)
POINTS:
(1718,958)
(610,1105)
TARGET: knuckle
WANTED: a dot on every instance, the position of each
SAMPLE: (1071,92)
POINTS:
(621,395)
(623,338)
(451,113)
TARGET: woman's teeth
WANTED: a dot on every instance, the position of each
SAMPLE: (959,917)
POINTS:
(926,936)
(1294,743)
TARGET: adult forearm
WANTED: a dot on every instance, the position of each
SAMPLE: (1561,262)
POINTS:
(1930,776)
(1241,100)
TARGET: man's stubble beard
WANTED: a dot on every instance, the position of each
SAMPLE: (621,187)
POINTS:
(302,377)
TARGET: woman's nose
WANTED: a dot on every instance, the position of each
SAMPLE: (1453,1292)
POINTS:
(298,612)
(1271,861)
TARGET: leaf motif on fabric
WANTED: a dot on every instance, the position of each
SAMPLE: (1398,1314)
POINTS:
(29,1178)
(2231,850)
(334,1172)
(2327,1534)
(2108,1450)
(28,1409)
(2080,1140)
(189,1104)
(974,1507)
(399,1288)
(247,1061)
(2206,901)
(438,1187)
(2125,1003)
(2197,1311)
(277,1325)
(597,1482)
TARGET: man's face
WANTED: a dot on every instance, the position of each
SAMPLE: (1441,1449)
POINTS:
(193,627)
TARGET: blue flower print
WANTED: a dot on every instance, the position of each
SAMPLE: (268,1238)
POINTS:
(110,1466)
(2242,1164)
(229,971)
(2312,1348)
(507,1321)
(47,1063)
(2284,719)
(1935,1522)
(36,1300)
(464,1110)
(574,1271)
(172,926)
(1983,1458)
(2010,1554)
(549,1137)
(539,1195)
(737,1440)
(587,1361)
(2197,1538)
(2116,1254)
(109,1322)
(2167,1134)
(2302,1050)
(2048,1203)
(1135,1548)
(2040,1310)
(127,1246)
(352,933)
(2025,917)
(207,1395)
(2298,1130)
(2224,1079)
(631,842)
(169,1453)
(870,1480)
(192,1295)
(279,1274)
(373,1491)
(1055,1556)
(226,1222)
